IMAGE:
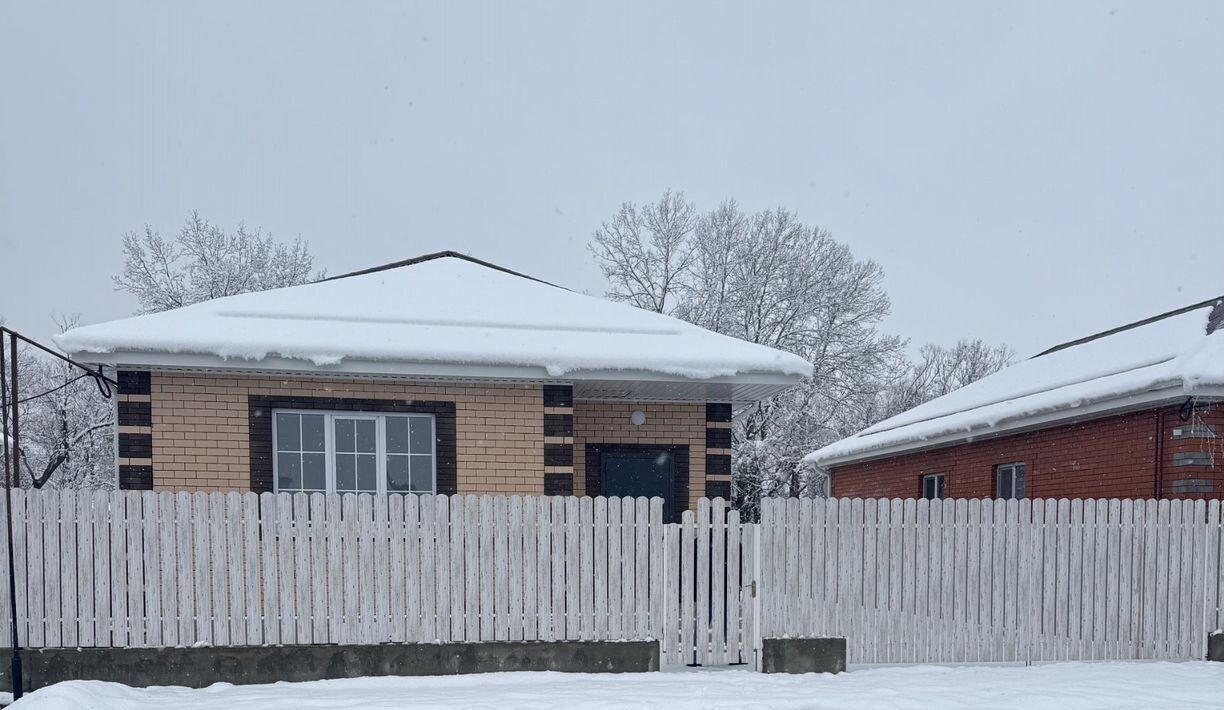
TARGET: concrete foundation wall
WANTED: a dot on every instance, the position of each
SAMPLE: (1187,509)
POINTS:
(823,655)
(201,667)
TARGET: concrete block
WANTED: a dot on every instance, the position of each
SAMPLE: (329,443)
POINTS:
(803,655)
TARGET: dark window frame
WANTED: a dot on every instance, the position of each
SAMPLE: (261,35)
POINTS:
(259,417)
(1011,470)
(941,482)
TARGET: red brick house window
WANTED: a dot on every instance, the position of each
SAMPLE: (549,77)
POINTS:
(1009,481)
(933,486)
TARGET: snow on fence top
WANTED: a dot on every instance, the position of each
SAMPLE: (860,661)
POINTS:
(1169,356)
(444,309)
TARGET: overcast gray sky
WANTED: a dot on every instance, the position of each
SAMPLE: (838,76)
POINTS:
(1024,172)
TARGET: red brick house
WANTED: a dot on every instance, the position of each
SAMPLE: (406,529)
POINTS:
(440,374)
(1132,412)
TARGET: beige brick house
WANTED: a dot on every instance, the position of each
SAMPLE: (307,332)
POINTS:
(438,374)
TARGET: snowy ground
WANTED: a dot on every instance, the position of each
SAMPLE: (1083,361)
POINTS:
(1066,685)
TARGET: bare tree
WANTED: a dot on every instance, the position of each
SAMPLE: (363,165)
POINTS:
(766,278)
(203,262)
(645,253)
(941,370)
(67,426)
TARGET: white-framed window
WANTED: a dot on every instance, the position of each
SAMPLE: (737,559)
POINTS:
(1009,481)
(353,452)
(933,486)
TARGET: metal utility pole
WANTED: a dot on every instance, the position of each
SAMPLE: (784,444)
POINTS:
(10,472)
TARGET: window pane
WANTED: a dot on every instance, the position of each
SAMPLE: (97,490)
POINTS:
(939,487)
(422,474)
(367,473)
(926,487)
(1018,484)
(344,435)
(397,473)
(288,472)
(366,438)
(312,432)
(314,472)
(397,435)
(288,436)
(422,435)
(1005,484)
(346,472)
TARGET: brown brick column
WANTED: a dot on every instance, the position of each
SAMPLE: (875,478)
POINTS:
(558,440)
(135,431)
(718,450)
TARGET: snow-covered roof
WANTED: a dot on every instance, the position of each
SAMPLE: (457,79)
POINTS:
(1169,356)
(444,314)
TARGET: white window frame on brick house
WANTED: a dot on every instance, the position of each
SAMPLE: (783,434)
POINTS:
(936,483)
(1010,472)
(381,453)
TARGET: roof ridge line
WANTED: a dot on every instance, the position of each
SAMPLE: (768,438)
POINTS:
(1129,326)
(448,253)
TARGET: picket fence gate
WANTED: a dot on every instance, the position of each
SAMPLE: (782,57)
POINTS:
(146,569)
(962,580)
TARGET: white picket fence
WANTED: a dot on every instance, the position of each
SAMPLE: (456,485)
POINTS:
(910,581)
(163,569)
(904,581)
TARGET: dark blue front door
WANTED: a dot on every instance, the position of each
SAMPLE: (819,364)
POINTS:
(641,472)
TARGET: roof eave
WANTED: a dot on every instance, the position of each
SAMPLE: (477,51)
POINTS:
(1066,415)
(597,384)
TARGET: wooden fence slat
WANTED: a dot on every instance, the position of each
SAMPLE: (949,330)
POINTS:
(253,570)
(641,562)
(556,626)
(501,569)
(231,599)
(573,612)
(750,563)
(586,568)
(458,534)
(67,576)
(658,626)
(530,574)
(688,573)
(544,559)
(471,568)
(414,592)
(614,569)
(718,581)
(167,568)
(86,624)
(226,615)
(36,597)
(517,568)
(51,569)
(628,578)
(487,561)
(440,593)
(318,576)
(735,650)
(599,572)
(6,612)
(406,569)
(380,541)
(702,610)
(431,578)
(184,515)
